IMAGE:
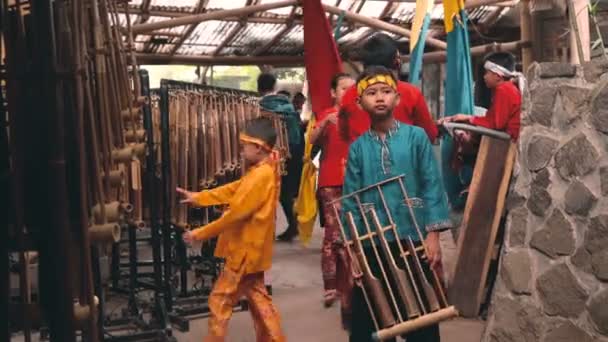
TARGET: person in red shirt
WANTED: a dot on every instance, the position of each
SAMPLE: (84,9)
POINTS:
(334,151)
(504,113)
(381,49)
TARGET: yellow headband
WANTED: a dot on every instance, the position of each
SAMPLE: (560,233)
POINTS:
(369,81)
(249,139)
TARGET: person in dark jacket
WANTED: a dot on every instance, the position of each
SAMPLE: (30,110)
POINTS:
(290,183)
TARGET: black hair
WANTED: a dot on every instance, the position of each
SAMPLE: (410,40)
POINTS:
(284,92)
(504,59)
(299,94)
(263,129)
(483,94)
(380,49)
(375,70)
(337,78)
(343,114)
(266,82)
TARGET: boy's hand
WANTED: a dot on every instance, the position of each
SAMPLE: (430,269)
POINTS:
(456,118)
(188,195)
(332,118)
(188,238)
(433,250)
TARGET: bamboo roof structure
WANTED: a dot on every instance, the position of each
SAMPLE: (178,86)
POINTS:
(232,33)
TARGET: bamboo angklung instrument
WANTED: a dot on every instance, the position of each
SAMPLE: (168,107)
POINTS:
(405,297)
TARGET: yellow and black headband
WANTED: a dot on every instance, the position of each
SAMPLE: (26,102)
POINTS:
(369,81)
(252,140)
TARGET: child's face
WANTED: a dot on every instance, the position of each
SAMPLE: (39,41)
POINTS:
(492,79)
(343,85)
(379,100)
(251,153)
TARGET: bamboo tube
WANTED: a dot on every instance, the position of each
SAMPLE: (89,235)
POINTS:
(116,178)
(114,212)
(124,155)
(104,233)
(133,116)
(82,313)
(139,150)
(138,136)
(415,324)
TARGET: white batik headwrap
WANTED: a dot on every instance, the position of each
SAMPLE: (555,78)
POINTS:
(504,72)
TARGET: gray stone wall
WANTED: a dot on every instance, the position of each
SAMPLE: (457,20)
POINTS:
(552,284)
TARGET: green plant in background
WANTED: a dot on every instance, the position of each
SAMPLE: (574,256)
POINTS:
(290,74)
(599,42)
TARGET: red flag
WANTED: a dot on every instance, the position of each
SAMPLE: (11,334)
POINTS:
(321,55)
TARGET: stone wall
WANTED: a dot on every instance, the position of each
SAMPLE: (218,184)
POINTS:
(552,284)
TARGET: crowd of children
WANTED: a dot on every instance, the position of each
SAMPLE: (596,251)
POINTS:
(378,127)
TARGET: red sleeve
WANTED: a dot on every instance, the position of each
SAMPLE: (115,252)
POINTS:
(423,119)
(497,117)
(322,115)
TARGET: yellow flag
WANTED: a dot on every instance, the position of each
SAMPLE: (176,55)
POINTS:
(306,203)
(451,8)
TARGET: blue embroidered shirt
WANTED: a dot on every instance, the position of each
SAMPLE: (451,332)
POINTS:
(405,150)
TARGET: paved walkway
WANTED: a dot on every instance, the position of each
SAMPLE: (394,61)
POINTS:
(298,290)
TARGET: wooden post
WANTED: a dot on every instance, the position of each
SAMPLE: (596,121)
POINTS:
(527,54)
(215,15)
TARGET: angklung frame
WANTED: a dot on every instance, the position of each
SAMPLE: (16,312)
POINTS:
(400,285)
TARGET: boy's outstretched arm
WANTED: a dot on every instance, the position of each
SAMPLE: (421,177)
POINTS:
(248,198)
(205,198)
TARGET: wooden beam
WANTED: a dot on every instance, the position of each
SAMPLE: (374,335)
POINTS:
(388,9)
(429,57)
(288,27)
(440,56)
(216,15)
(382,25)
(200,7)
(242,24)
(143,17)
(151,58)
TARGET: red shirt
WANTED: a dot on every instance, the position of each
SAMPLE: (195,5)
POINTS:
(412,110)
(505,111)
(334,152)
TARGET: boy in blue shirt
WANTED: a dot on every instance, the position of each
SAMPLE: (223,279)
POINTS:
(390,149)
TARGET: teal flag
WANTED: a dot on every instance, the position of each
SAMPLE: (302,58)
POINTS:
(458,93)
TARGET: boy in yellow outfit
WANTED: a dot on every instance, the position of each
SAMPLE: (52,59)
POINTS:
(246,236)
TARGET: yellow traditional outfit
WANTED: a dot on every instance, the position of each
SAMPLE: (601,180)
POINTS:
(246,236)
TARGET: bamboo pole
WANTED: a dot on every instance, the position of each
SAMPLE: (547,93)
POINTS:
(579,36)
(217,15)
(441,56)
(429,57)
(527,55)
(150,58)
(382,25)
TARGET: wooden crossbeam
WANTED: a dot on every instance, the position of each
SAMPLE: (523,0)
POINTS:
(242,24)
(215,15)
(152,58)
(429,57)
(382,25)
(200,7)
(288,27)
